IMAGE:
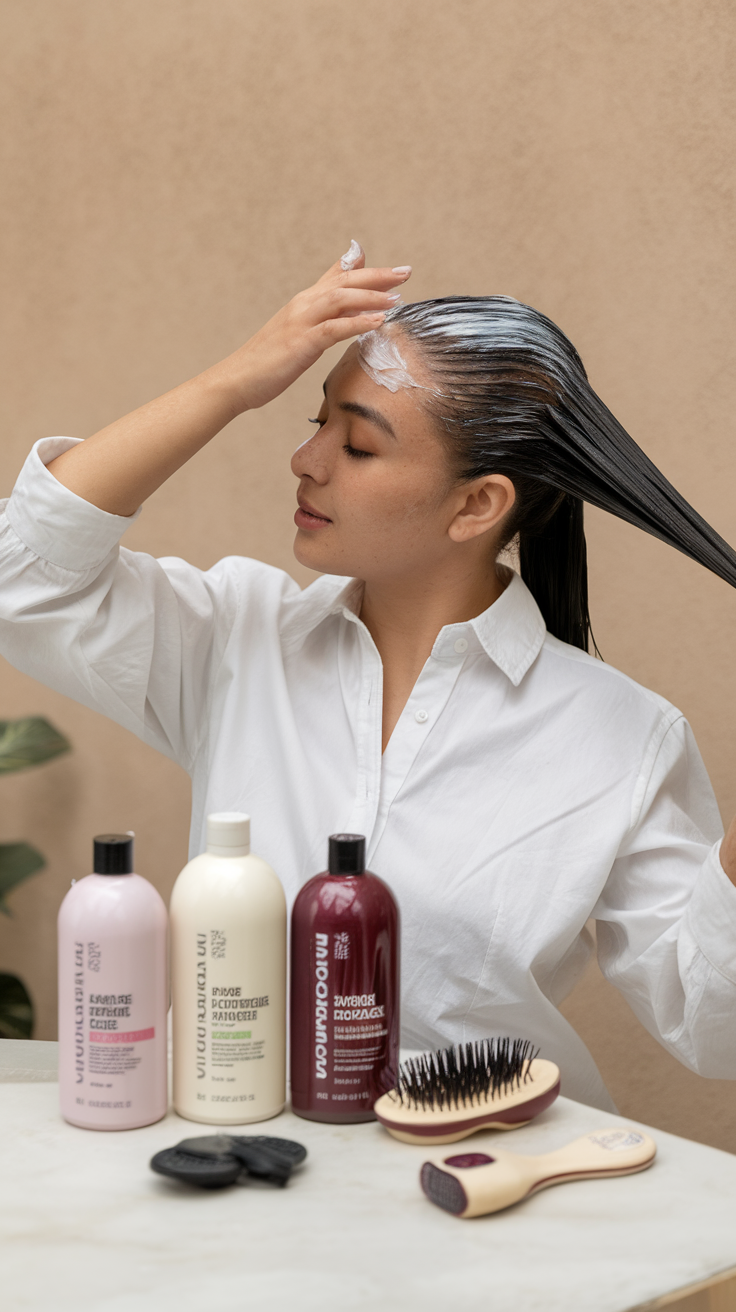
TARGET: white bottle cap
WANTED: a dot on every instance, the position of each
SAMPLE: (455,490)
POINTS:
(228,833)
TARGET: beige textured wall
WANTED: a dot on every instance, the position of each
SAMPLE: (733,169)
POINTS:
(172,171)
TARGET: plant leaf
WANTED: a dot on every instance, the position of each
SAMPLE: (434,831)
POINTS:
(18,861)
(16,1009)
(29,741)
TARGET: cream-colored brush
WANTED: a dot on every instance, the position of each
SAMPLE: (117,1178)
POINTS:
(472,1184)
(494,1084)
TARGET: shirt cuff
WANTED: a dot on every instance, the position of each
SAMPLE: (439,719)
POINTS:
(712,915)
(53,522)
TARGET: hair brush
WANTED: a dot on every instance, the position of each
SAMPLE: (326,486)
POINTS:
(473,1184)
(493,1084)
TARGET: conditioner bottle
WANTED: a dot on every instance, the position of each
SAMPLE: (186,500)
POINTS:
(344,989)
(113,995)
(228,957)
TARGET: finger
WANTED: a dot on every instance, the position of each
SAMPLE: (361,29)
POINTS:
(332,331)
(339,301)
(362,277)
(377,278)
(354,257)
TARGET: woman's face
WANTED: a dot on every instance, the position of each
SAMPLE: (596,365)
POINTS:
(376,494)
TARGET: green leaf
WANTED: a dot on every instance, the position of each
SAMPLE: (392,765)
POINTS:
(16,1009)
(28,742)
(17,862)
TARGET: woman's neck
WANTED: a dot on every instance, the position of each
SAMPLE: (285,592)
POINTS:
(405,618)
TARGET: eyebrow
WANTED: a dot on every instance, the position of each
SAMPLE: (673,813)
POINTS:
(364,412)
(367,412)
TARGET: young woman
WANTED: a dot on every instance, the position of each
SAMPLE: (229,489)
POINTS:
(510,785)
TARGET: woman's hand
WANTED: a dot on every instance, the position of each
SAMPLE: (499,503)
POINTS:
(123,464)
(344,303)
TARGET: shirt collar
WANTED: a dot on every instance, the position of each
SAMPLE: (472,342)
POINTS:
(331,594)
(511,631)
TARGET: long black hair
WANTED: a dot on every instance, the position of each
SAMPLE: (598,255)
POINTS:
(512,397)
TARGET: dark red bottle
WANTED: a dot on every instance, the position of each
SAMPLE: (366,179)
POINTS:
(344,989)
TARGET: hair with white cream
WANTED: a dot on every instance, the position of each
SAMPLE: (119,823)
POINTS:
(511,397)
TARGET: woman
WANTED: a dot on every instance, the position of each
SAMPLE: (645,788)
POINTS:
(510,785)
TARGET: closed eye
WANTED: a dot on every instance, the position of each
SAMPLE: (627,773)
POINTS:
(353,451)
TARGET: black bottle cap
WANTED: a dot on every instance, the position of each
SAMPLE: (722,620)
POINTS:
(113,854)
(347,854)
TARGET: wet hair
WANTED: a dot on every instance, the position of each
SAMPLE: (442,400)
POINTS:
(511,397)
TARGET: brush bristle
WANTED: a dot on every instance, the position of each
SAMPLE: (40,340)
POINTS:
(467,1073)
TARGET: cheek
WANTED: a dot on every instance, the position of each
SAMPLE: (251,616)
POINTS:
(400,503)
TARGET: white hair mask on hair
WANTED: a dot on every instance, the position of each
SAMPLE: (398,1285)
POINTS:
(352,255)
(382,360)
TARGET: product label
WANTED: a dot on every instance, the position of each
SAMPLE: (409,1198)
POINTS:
(228,1010)
(320,1007)
(79,1012)
(357,1007)
(107,1009)
(349,1027)
(109,1041)
(228,1017)
(131,1036)
(616,1141)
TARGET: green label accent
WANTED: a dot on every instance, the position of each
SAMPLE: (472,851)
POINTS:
(230,1034)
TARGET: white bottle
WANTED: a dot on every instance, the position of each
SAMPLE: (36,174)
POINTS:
(228,981)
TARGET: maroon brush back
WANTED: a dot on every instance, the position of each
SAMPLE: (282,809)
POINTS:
(344,997)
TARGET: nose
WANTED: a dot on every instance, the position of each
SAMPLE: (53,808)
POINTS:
(312,458)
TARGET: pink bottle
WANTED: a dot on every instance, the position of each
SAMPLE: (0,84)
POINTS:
(113,995)
(344,989)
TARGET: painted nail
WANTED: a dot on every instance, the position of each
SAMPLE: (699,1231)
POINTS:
(395,298)
(402,269)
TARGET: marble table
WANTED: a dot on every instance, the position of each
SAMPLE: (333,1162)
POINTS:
(87,1227)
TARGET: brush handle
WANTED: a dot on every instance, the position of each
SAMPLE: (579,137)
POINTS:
(472,1184)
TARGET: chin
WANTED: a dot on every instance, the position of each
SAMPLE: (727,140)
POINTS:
(317,556)
(313,555)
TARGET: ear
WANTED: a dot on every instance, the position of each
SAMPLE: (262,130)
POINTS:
(486,501)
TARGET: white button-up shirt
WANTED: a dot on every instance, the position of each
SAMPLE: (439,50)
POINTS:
(526,788)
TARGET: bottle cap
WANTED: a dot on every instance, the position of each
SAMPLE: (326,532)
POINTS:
(347,854)
(113,854)
(228,833)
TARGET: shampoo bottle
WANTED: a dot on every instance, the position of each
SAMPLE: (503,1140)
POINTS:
(344,989)
(113,995)
(228,958)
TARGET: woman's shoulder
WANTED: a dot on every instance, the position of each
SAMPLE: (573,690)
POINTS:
(253,590)
(603,686)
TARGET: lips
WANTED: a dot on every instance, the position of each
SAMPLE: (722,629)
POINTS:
(308,517)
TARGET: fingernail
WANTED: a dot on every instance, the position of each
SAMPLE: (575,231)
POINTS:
(402,269)
(395,298)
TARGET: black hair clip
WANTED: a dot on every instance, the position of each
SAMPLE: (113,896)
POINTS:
(221,1159)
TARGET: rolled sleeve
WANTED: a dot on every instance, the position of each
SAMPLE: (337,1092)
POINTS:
(133,637)
(711,916)
(53,522)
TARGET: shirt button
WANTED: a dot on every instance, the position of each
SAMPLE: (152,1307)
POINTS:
(461,645)
(421,717)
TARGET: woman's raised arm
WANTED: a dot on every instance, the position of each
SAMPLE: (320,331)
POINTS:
(123,464)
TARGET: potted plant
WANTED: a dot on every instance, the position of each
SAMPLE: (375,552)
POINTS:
(23,743)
